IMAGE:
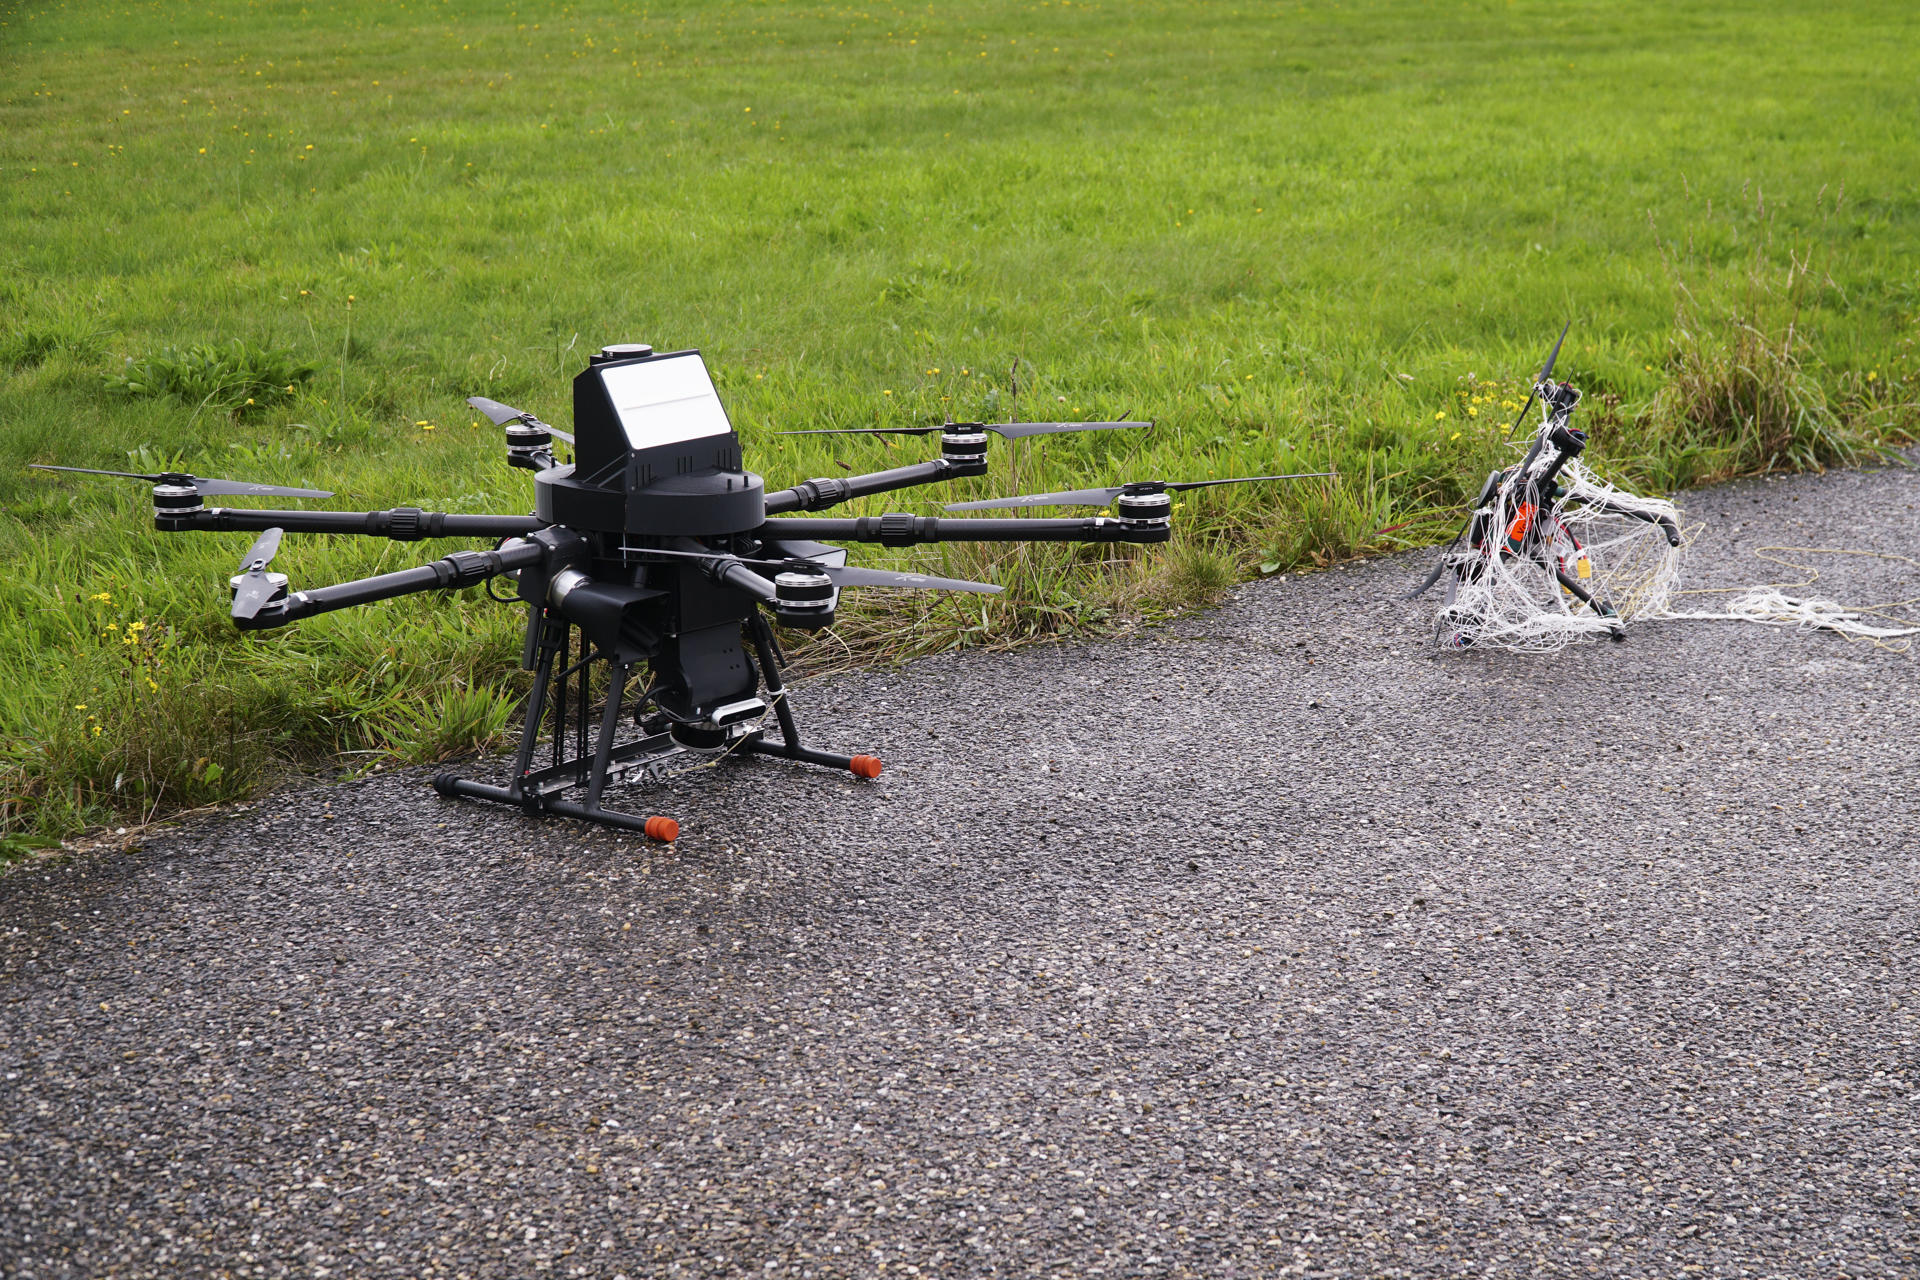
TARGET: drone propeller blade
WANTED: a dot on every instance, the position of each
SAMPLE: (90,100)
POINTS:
(1440,567)
(1021,430)
(853,576)
(843,575)
(863,431)
(1297,475)
(207,487)
(94,471)
(256,587)
(501,414)
(1103,497)
(1514,429)
(217,488)
(262,552)
(254,591)
(495,412)
(1546,369)
(1006,430)
(1066,498)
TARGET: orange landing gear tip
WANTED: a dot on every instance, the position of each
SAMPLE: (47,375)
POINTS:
(864,766)
(665,830)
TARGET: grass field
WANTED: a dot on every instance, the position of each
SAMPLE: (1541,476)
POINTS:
(1296,235)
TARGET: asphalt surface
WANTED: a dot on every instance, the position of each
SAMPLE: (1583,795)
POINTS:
(1267,944)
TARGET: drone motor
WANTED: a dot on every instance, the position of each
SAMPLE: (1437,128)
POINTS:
(529,446)
(964,444)
(277,583)
(804,596)
(172,500)
(1145,509)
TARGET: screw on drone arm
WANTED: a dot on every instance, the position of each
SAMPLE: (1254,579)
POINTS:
(461,569)
(402,524)
(898,530)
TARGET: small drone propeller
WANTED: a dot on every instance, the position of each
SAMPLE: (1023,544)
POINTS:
(845,575)
(501,414)
(256,586)
(1545,370)
(1006,430)
(207,487)
(1104,497)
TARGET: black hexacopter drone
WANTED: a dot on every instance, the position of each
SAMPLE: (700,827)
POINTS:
(659,549)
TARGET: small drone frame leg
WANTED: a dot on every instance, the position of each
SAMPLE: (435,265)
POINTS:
(1599,606)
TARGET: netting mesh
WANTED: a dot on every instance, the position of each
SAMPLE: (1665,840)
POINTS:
(1519,584)
(1611,543)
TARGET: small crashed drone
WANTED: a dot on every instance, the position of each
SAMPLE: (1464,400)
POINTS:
(659,550)
(1554,554)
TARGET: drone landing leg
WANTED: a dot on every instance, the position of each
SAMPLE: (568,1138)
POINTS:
(1600,607)
(538,790)
(789,748)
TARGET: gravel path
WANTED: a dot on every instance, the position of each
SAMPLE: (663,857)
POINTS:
(1269,944)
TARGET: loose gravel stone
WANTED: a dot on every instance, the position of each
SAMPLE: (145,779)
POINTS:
(1270,943)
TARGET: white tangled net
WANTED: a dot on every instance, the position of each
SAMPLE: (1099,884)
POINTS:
(1613,545)
(1607,540)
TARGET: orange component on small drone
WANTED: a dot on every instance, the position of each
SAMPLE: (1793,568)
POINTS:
(665,830)
(865,766)
(1522,520)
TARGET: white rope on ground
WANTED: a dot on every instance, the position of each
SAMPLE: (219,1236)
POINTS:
(1770,605)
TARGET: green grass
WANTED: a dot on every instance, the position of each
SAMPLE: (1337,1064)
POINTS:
(1296,235)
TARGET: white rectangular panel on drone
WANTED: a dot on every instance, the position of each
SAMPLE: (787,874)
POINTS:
(666,401)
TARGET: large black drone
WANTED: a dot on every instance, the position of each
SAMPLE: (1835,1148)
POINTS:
(658,548)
